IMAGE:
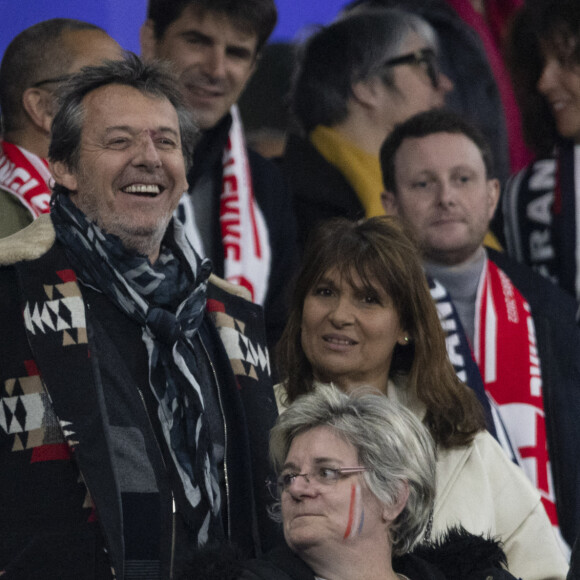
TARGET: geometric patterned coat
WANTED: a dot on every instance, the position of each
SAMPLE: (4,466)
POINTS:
(60,513)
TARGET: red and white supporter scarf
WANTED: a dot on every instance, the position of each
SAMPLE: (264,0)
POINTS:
(506,353)
(26,176)
(247,254)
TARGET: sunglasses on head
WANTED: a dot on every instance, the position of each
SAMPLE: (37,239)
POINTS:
(424,56)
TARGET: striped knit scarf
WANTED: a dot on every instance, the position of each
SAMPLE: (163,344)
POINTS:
(540,216)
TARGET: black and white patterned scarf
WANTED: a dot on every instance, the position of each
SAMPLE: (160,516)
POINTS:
(168,300)
(540,210)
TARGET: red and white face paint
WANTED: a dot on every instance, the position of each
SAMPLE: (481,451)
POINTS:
(356,513)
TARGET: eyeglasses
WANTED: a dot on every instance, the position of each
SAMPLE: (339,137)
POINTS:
(325,476)
(60,79)
(424,56)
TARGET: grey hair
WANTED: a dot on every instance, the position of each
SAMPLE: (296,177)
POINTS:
(390,441)
(153,79)
(352,49)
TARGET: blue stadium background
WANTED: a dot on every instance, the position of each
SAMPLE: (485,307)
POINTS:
(122,18)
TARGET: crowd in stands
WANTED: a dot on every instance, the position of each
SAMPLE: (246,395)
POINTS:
(296,310)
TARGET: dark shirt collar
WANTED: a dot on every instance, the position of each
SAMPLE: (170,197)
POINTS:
(209,149)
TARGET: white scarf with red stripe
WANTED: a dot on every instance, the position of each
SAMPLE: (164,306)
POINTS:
(506,353)
(26,176)
(247,253)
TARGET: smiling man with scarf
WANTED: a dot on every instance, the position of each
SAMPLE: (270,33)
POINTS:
(438,176)
(238,210)
(135,396)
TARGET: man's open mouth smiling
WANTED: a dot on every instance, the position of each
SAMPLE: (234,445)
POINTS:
(142,189)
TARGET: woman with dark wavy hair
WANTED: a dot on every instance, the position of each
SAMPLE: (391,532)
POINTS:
(362,315)
(540,203)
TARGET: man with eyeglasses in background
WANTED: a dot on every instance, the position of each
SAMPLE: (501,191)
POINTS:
(357,78)
(35,63)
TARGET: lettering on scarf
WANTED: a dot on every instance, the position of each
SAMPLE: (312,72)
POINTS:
(243,229)
(528,209)
(10,175)
(508,294)
(449,325)
(543,176)
(539,210)
(535,374)
(507,343)
(230,217)
(25,176)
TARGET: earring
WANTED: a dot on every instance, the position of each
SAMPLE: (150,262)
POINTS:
(406,339)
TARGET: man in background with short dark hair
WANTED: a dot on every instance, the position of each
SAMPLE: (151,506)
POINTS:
(35,63)
(238,211)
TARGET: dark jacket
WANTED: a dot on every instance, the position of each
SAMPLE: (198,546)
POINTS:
(457,556)
(273,198)
(558,340)
(60,513)
(319,190)
(574,572)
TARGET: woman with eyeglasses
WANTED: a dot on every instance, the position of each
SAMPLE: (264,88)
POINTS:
(356,486)
(362,315)
(355,80)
